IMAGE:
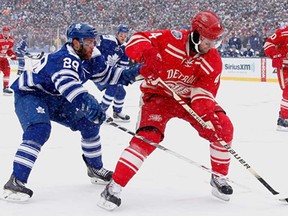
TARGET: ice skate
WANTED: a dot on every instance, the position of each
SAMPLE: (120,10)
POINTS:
(110,197)
(282,124)
(98,176)
(7,91)
(121,117)
(220,188)
(15,191)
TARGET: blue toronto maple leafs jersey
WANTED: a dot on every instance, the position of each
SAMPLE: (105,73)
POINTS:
(63,73)
(21,48)
(113,52)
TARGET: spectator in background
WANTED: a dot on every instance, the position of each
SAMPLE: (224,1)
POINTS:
(233,52)
(249,52)
(224,51)
(235,40)
(57,42)
(256,42)
(244,39)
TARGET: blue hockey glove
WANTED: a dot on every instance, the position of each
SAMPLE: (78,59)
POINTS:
(129,75)
(92,109)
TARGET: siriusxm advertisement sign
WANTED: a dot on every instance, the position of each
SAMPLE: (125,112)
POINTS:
(240,67)
(248,69)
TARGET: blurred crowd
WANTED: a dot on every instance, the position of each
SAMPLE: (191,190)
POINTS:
(45,22)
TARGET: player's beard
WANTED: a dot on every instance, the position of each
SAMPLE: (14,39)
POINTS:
(84,54)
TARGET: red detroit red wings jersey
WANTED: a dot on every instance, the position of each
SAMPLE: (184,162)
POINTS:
(278,44)
(187,73)
(6,47)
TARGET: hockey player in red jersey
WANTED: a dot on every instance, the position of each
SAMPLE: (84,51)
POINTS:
(276,48)
(6,50)
(191,65)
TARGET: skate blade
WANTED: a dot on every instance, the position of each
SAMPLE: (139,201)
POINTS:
(121,120)
(107,205)
(219,195)
(12,196)
(282,129)
(284,200)
(7,94)
(98,181)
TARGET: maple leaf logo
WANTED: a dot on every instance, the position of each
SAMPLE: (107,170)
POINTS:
(112,60)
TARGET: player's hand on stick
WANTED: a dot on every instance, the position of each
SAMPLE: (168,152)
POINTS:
(13,57)
(130,74)
(91,109)
(212,133)
(152,63)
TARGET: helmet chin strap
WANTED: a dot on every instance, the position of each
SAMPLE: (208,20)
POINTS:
(193,40)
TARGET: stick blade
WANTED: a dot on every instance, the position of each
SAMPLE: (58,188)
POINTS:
(283,200)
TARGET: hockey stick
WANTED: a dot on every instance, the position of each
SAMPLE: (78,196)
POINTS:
(139,78)
(38,56)
(35,56)
(224,144)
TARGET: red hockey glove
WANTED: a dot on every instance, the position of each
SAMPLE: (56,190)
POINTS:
(277,61)
(13,57)
(213,133)
(152,64)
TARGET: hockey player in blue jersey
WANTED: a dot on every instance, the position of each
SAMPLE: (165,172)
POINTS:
(113,48)
(54,91)
(21,52)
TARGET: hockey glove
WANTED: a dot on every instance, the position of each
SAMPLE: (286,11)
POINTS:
(13,57)
(29,55)
(40,55)
(277,61)
(152,63)
(129,75)
(214,132)
(91,109)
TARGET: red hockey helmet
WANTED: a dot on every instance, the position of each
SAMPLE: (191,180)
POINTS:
(207,24)
(6,28)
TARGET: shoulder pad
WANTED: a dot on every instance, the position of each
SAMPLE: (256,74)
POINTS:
(109,37)
(177,34)
(96,52)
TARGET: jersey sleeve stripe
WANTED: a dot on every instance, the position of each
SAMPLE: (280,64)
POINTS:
(73,94)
